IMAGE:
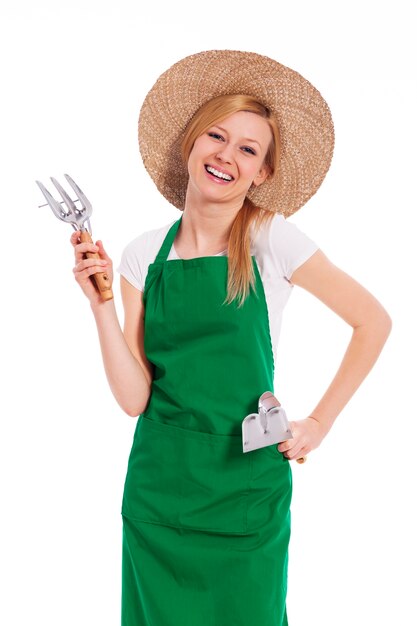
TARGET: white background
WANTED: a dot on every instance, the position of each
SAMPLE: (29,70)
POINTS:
(73,77)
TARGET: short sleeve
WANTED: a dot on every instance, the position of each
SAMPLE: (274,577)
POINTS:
(131,263)
(289,245)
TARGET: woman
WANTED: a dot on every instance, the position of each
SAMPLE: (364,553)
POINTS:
(237,142)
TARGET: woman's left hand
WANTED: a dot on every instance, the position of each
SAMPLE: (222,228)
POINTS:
(307,435)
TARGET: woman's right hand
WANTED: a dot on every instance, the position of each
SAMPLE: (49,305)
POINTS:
(84,267)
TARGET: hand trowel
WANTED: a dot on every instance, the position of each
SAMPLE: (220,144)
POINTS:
(267,427)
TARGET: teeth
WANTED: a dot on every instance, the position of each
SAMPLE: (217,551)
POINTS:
(217,173)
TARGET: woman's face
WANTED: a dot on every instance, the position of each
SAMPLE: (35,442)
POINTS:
(228,158)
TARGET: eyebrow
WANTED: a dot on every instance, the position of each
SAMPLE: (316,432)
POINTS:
(244,138)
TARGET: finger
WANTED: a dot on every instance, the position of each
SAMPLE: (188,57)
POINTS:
(87,262)
(284,445)
(101,250)
(85,274)
(289,447)
(75,237)
(84,264)
(81,249)
(286,452)
(298,452)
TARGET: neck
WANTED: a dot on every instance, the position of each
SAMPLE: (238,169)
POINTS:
(206,225)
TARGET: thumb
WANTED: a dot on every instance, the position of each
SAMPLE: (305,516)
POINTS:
(101,250)
(292,426)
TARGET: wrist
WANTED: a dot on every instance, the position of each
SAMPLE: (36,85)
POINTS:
(323,427)
(100,307)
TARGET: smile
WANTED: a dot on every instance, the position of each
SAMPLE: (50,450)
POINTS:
(217,174)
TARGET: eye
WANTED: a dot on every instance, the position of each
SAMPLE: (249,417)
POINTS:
(251,151)
(246,149)
(215,135)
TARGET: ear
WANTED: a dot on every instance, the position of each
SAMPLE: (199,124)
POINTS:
(261,176)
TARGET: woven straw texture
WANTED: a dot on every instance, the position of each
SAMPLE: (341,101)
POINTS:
(304,118)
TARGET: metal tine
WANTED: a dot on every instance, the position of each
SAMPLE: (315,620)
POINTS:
(72,209)
(54,204)
(86,204)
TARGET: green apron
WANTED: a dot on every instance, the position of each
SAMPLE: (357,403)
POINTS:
(206,527)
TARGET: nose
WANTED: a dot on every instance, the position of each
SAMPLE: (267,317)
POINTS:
(225,153)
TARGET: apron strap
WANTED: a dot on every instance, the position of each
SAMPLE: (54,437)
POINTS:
(167,243)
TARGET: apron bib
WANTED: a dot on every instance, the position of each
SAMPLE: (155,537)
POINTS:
(206,527)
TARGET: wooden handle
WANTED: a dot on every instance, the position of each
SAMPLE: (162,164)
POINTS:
(302,459)
(101,279)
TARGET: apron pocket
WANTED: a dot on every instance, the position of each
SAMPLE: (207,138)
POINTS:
(270,489)
(274,452)
(187,478)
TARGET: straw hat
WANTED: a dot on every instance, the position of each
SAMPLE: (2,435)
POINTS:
(303,116)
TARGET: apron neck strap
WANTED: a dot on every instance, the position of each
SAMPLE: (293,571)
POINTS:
(168,241)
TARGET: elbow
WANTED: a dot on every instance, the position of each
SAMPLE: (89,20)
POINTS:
(385,323)
(135,410)
(388,325)
(384,329)
(132,413)
(379,325)
(379,319)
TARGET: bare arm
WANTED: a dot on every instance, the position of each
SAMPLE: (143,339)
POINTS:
(360,309)
(128,372)
(134,329)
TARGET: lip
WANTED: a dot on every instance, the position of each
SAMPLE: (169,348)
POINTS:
(219,169)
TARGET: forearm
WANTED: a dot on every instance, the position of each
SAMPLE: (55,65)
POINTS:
(125,375)
(362,352)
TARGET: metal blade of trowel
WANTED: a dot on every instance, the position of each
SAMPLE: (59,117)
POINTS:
(267,427)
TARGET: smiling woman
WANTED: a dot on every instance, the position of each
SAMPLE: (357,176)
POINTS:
(229,162)
(210,330)
(251,142)
(219,108)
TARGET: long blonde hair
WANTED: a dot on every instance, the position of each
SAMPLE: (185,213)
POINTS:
(241,276)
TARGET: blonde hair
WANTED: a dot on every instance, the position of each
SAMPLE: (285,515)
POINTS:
(241,276)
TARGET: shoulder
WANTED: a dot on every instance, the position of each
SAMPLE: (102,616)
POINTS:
(145,243)
(139,253)
(277,227)
(282,245)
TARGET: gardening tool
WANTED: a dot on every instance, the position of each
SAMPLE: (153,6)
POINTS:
(77,217)
(268,426)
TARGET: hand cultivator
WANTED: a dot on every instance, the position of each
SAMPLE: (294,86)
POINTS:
(78,217)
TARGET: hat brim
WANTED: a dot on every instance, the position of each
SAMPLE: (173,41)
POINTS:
(304,119)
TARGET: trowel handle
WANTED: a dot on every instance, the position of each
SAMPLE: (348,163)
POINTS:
(101,279)
(302,459)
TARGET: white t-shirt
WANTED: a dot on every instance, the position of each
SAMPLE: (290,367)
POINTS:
(279,247)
